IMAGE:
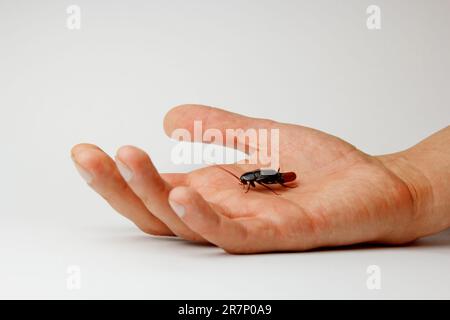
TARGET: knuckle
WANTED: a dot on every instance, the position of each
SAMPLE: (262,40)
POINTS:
(240,244)
(152,230)
(232,250)
(271,123)
(145,200)
(194,238)
(111,194)
(239,249)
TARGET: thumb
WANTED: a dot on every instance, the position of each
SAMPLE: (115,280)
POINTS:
(192,117)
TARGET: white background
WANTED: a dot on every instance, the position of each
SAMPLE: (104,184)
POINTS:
(309,62)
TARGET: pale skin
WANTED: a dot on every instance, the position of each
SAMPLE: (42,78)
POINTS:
(342,196)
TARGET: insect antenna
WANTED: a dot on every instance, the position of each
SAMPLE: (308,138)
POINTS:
(226,170)
(220,167)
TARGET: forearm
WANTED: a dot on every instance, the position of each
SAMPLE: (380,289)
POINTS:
(425,168)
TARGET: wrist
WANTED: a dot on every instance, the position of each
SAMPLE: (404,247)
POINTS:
(420,191)
(425,170)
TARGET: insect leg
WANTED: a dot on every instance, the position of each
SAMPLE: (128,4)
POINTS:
(267,187)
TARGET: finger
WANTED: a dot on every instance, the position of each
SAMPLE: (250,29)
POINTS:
(102,175)
(224,122)
(218,229)
(175,179)
(143,178)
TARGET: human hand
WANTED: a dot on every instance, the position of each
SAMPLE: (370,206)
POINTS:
(343,196)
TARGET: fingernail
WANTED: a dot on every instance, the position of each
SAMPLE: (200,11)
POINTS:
(177,208)
(126,172)
(86,175)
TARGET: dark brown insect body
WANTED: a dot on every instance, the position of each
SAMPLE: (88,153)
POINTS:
(264,177)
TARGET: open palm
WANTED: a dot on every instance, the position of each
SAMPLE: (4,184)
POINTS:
(341,196)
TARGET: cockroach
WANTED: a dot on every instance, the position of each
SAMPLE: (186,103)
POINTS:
(264,177)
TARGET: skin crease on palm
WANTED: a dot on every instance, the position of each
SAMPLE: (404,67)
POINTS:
(342,196)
